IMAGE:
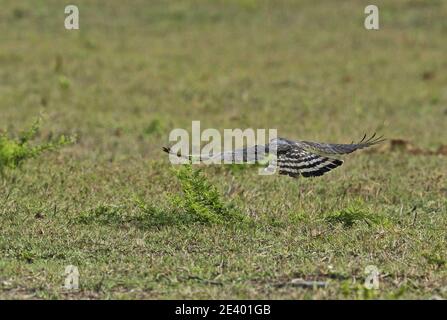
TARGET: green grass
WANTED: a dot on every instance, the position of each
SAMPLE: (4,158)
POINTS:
(134,72)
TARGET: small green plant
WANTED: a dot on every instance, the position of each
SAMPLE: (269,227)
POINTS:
(155,127)
(201,200)
(13,152)
(298,217)
(435,257)
(351,215)
(64,82)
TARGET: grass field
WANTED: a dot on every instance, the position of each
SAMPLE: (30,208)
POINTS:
(136,70)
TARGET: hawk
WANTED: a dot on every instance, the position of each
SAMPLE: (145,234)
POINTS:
(293,158)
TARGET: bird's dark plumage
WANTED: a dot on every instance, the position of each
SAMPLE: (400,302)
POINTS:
(294,158)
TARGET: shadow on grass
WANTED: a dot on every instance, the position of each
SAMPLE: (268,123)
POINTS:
(141,217)
(354,214)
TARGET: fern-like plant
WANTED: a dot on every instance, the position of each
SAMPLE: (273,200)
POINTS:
(13,152)
(201,200)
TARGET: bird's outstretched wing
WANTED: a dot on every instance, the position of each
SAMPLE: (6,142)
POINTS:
(293,158)
(333,148)
(308,159)
(296,161)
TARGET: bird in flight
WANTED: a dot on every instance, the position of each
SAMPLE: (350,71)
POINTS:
(293,158)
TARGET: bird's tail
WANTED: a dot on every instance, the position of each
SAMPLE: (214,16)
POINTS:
(244,155)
